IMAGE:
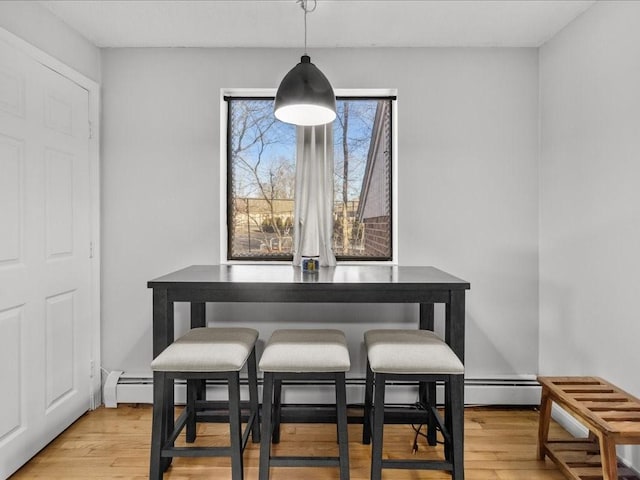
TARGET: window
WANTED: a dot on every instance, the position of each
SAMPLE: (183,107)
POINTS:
(261,154)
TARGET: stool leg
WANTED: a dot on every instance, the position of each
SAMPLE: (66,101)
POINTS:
(191,411)
(265,440)
(341,417)
(253,396)
(543,422)
(158,427)
(277,400)
(456,405)
(235,426)
(168,419)
(378,426)
(448,418)
(368,400)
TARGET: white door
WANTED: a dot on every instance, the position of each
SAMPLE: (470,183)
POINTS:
(45,328)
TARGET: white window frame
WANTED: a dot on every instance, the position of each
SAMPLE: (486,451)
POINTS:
(271,92)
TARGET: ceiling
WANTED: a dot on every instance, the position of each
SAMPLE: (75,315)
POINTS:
(335,23)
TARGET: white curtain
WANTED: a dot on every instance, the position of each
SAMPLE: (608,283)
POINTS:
(314,195)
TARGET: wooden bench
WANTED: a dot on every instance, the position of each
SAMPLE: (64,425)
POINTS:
(611,415)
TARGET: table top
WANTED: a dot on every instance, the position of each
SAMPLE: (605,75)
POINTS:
(389,275)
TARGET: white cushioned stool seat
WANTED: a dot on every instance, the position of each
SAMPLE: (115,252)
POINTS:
(410,351)
(302,350)
(208,350)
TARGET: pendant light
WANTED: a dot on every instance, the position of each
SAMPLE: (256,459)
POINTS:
(305,96)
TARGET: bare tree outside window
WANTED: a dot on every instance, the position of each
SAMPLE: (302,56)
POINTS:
(261,180)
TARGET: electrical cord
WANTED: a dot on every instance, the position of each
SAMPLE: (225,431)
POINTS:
(414,450)
(422,406)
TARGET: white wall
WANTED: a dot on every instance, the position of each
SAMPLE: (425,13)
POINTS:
(467,147)
(590,197)
(41,28)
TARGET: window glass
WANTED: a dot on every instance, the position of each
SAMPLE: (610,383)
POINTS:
(261,155)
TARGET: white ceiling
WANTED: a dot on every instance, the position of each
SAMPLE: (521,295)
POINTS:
(335,23)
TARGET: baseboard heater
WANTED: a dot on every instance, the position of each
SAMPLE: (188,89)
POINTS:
(515,390)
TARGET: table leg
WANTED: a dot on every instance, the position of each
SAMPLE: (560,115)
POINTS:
(455,323)
(454,336)
(163,336)
(427,391)
(198,317)
(195,388)
(198,320)
(427,316)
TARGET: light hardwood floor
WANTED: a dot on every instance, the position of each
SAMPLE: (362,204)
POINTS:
(500,444)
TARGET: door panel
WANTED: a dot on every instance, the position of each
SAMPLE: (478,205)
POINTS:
(59,203)
(59,347)
(45,345)
(11,323)
(11,186)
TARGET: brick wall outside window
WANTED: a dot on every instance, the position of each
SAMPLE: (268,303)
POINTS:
(376,238)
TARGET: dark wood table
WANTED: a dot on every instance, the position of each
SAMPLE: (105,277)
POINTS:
(199,284)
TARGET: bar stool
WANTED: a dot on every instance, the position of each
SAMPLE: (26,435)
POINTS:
(420,356)
(309,355)
(203,354)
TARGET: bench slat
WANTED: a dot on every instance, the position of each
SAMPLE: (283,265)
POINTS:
(624,415)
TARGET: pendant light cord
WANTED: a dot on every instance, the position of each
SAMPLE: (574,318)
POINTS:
(304,5)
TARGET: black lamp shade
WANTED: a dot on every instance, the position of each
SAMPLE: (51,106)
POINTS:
(305,96)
